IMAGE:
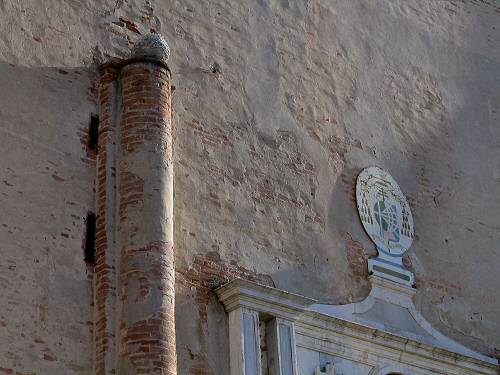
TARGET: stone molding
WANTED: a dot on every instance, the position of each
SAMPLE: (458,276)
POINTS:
(337,333)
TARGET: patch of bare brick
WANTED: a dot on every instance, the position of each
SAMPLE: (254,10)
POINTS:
(206,273)
(357,257)
(348,178)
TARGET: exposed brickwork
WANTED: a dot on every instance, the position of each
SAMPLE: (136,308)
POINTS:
(357,257)
(146,277)
(104,270)
(131,192)
(414,202)
(214,136)
(349,176)
(206,273)
(440,288)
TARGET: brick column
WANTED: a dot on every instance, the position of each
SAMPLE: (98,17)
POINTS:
(145,326)
(104,270)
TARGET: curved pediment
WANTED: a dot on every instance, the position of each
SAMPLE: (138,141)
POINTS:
(383,334)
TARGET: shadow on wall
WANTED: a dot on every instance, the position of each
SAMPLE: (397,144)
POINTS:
(447,166)
(46,188)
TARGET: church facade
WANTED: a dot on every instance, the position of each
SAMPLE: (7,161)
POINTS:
(268,188)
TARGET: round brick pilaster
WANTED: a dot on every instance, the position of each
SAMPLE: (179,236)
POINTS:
(104,269)
(134,327)
(144,222)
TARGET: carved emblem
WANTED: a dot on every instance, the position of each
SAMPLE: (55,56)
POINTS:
(387,219)
(384,211)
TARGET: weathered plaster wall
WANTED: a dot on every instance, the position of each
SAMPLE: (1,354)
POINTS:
(278,105)
(46,189)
